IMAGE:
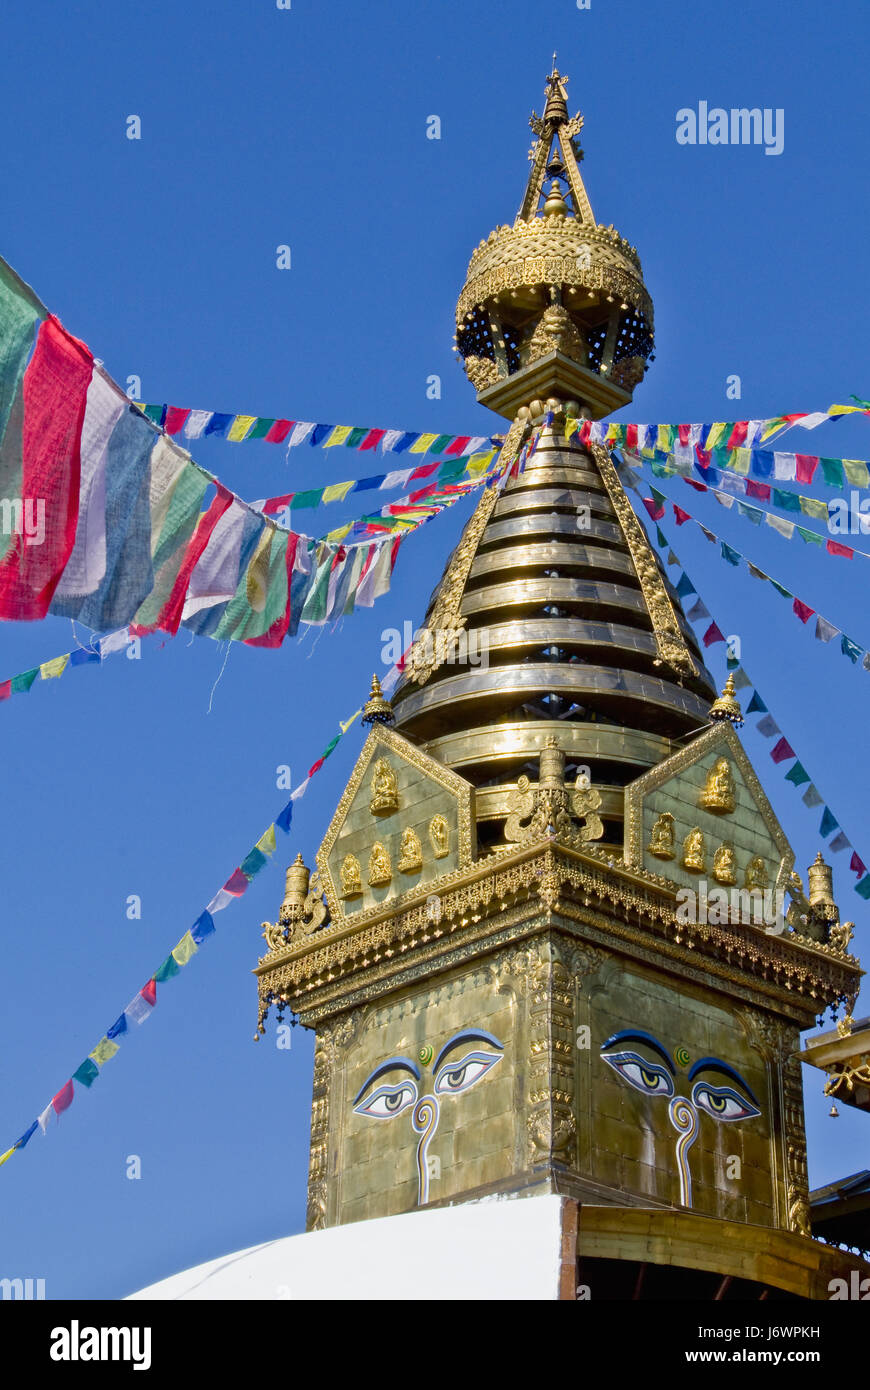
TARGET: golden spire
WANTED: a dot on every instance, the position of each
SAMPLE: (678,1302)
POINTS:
(377,709)
(555,305)
(726,707)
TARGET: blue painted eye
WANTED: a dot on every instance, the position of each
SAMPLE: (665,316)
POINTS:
(457,1077)
(644,1076)
(388,1100)
(723,1103)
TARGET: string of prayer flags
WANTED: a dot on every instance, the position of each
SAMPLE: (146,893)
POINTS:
(144,1001)
(238,429)
(782,752)
(825,631)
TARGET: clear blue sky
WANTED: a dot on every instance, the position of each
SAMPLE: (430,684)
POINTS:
(307,127)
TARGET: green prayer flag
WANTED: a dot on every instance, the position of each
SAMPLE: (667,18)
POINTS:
(786,501)
(22,682)
(832,471)
(732,556)
(661,538)
(453,469)
(312,498)
(662,470)
(87,1073)
(260,429)
(166,971)
(356,436)
(440,444)
(811,537)
(753,514)
(850,648)
(329,747)
(253,863)
(863,888)
(780,589)
(797,775)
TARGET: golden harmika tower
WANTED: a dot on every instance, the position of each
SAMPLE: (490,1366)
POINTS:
(543,950)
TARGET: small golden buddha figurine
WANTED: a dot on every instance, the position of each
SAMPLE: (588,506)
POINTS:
(694,853)
(756,874)
(385,789)
(725,864)
(412,852)
(439,835)
(380,867)
(661,840)
(351,879)
(719,794)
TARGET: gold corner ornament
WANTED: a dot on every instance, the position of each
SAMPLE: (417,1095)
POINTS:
(303,910)
(672,647)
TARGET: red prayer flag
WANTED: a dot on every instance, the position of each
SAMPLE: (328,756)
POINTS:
(782,750)
(699,487)
(803,611)
(236,884)
(455,449)
(585,431)
(703,456)
(175,419)
(680,515)
(274,504)
(712,635)
(857,865)
(656,512)
(5,689)
(424,471)
(737,438)
(805,467)
(631,436)
(53,394)
(760,491)
(149,992)
(170,613)
(372,439)
(64,1098)
(279,431)
(835,548)
(683,432)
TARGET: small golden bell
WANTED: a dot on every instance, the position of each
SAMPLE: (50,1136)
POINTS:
(833,1113)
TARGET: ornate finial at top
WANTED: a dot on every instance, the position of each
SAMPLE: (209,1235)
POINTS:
(512,354)
(377,709)
(726,707)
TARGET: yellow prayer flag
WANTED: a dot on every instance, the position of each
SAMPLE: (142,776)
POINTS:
(340,533)
(715,434)
(338,436)
(423,443)
(663,441)
(336,492)
(186,948)
(240,426)
(266,842)
(844,409)
(8,1154)
(813,506)
(856,471)
(613,434)
(104,1051)
(347,723)
(56,667)
(740,461)
(478,463)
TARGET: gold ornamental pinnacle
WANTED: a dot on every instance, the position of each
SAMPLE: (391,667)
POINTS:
(555,306)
